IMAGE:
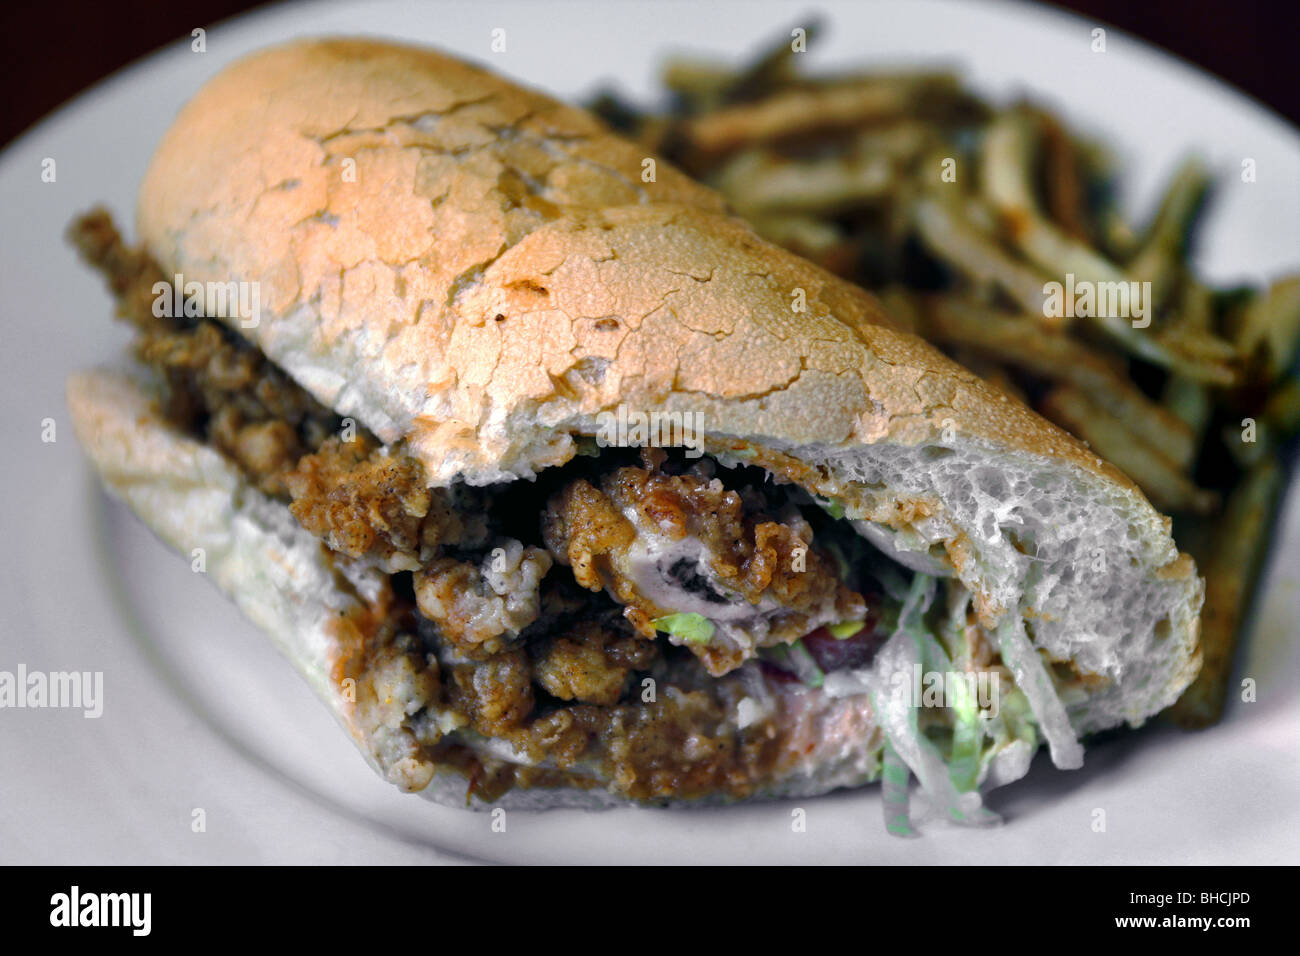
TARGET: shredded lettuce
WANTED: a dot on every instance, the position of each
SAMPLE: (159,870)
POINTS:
(919,597)
(1031,676)
(845,629)
(832,507)
(893,786)
(892,580)
(691,627)
(1015,740)
(964,765)
(967,742)
(996,745)
(962,750)
(898,715)
(841,560)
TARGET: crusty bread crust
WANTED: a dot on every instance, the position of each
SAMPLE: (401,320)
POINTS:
(498,273)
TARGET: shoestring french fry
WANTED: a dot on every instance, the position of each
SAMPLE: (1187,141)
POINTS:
(801,111)
(1282,410)
(1231,566)
(1064,179)
(1190,402)
(1006,176)
(1271,326)
(1196,301)
(1167,487)
(1056,356)
(956,240)
(822,186)
(1250,443)
(1165,245)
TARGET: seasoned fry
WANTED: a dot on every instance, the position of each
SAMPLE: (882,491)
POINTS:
(764,183)
(957,240)
(1056,356)
(772,69)
(1160,256)
(1167,487)
(1118,241)
(1230,567)
(1196,302)
(1247,454)
(787,114)
(791,113)
(1271,326)
(1006,176)
(902,142)
(1190,403)
(704,85)
(1196,354)
(1282,410)
(1006,181)
(1063,178)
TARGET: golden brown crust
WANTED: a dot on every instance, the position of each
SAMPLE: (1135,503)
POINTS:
(479,269)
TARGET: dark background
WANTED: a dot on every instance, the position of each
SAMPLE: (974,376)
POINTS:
(57,48)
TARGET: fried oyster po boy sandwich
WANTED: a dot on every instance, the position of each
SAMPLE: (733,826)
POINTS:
(430,462)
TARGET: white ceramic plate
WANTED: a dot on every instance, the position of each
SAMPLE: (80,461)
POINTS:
(201,714)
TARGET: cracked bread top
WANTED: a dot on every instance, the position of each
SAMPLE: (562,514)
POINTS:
(479,269)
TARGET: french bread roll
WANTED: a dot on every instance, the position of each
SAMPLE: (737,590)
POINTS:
(476,272)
